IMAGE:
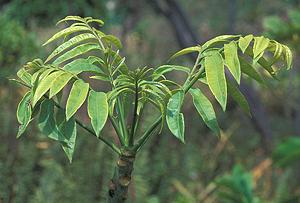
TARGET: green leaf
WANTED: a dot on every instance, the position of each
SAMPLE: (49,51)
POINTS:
(71,18)
(288,56)
(76,98)
(81,65)
(238,97)
(260,44)
(66,32)
(161,70)
(76,51)
(59,83)
(205,109)
(267,66)
(24,113)
(70,43)
(24,76)
(232,60)
(175,119)
(220,39)
(287,152)
(44,86)
(68,129)
(214,67)
(244,42)
(97,110)
(186,51)
(114,40)
(250,71)
(47,123)
(98,21)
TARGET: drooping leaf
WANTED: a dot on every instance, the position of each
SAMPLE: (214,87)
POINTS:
(81,65)
(161,70)
(44,86)
(288,56)
(214,67)
(217,40)
(232,60)
(205,109)
(66,32)
(186,51)
(250,71)
(70,43)
(24,76)
(47,123)
(267,66)
(175,119)
(244,42)
(260,44)
(71,18)
(97,110)
(238,97)
(24,113)
(114,40)
(76,51)
(59,83)
(76,98)
(68,129)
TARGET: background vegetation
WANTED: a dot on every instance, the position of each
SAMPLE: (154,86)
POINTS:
(257,158)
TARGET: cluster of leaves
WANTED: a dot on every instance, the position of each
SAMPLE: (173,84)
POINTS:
(241,55)
(87,49)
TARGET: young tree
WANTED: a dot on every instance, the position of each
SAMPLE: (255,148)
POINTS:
(87,49)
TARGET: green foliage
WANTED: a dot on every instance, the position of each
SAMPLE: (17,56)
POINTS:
(287,152)
(87,49)
(236,187)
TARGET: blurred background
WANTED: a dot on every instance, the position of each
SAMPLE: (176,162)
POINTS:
(257,159)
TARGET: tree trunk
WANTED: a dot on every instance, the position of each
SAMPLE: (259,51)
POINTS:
(118,189)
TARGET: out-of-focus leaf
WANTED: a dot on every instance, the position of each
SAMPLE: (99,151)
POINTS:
(287,152)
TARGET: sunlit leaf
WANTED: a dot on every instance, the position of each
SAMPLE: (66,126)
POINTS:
(214,67)
(97,110)
(232,60)
(59,83)
(77,51)
(244,42)
(76,98)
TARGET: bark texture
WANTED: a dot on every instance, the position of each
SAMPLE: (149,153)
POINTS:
(118,189)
